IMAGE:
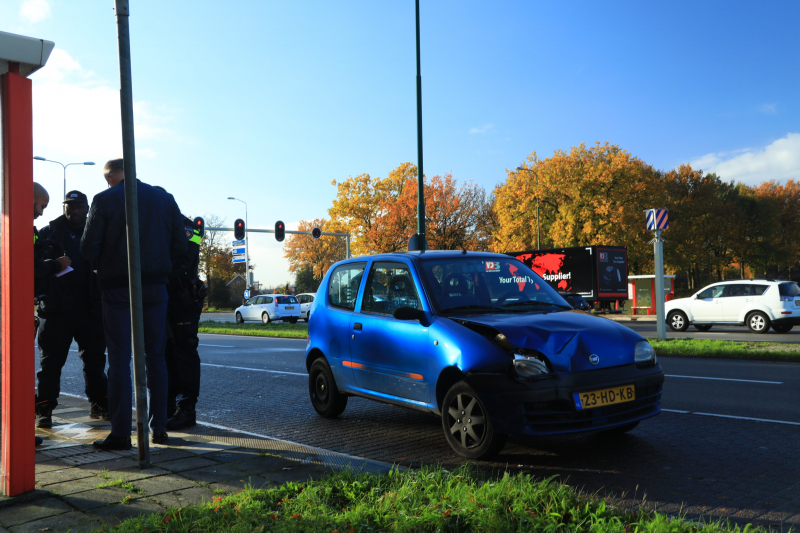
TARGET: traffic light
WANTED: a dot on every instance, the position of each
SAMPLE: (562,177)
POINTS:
(280,231)
(316,233)
(238,229)
(200,226)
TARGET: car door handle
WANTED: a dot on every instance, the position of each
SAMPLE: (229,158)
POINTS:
(357,326)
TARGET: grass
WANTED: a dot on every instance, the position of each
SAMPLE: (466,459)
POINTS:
(718,349)
(218,310)
(414,501)
(292,331)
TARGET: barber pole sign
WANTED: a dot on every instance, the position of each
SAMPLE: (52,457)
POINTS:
(657,219)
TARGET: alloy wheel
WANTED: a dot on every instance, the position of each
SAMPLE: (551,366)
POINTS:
(468,420)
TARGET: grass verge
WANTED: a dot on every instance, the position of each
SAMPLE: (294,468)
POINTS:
(718,349)
(291,331)
(426,500)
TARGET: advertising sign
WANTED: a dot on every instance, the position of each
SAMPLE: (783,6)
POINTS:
(566,270)
(612,272)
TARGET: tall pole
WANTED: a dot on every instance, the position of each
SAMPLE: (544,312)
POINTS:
(132,227)
(246,250)
(423,245)
(658,251)
(538,225)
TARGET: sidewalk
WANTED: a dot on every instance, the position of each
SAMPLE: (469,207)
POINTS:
(80,488)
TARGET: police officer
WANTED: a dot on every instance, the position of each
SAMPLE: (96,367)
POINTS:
(69,309)
(186,295)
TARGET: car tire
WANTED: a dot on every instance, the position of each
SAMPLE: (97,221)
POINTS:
(758,322)
(325,396)
(702,327)
(677,321)
(239,319)
(292,321)
(265,318)
(474,440)
(785,328)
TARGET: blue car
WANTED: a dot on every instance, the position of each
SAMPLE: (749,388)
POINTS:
(479,339)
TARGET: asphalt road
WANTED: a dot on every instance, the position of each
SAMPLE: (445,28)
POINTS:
(724,445)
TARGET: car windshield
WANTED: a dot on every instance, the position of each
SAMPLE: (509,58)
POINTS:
(789,289)
(487,285)
(286,300)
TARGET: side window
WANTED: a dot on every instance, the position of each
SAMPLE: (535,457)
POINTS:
(268,299)
(389,286)
(716,292)
(704,295)
(302,298)
(310,298)
(758,290)
(738,290)
(343,285)
(251,301)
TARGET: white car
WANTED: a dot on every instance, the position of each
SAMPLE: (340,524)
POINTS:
(306,302)
(269,307)
(756,303)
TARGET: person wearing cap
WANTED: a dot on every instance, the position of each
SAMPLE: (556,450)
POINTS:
(69,309)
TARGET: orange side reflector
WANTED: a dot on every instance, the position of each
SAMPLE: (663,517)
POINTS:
(353,364)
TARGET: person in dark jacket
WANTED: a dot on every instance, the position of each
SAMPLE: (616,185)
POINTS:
(161,236)
(69,308)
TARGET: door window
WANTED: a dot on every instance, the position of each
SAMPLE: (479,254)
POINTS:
(758,290)
(343,285)
(251,301)
(389,286)
(738,289)
(711,292)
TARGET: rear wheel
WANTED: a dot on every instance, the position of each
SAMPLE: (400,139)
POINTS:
(239,318)
(467,426)
(702,327)
(758,322)
(265,318)
(677,321)
(293,320)
(325,396)
(783,328)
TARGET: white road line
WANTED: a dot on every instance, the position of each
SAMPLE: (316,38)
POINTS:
(216,345)
(676,411)
(726,379)
(256,369)
(749,418)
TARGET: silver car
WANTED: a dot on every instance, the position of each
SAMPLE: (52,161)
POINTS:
(306,302)
(269,307)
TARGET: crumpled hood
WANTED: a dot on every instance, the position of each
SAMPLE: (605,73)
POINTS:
(566,338)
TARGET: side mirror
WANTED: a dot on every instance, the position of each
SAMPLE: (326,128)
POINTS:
(407,313)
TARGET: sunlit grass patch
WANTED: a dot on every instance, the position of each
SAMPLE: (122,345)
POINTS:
(292,331)
(757,351)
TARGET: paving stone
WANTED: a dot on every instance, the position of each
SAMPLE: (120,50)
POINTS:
(182,498)
(162,484)
(169,454)
(213,474)
(93,499)
(50,465)
(110,466)
(75,486)
(190,463)
(264,463)
(134,474)
(235,454)
(236,485)
(73,522)
(114,514)
(31,511)
(59,476)
(208,447)
(296,474)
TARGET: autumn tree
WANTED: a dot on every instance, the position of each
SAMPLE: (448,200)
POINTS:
(216,262)
(783,236)
(304,251)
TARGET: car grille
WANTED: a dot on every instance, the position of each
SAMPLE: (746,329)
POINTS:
(560,416)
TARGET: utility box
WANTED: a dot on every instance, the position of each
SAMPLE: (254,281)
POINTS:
(642,288)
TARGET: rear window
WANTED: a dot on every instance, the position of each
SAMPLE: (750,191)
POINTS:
(789,289)
(286,300)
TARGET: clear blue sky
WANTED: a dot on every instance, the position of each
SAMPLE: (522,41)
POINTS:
(270,101)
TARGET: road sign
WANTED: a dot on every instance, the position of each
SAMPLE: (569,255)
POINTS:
(246,294)
(238,251)
(238,243)
(239,259)
(657,219)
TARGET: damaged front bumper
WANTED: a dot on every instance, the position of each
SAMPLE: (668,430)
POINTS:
(546,406)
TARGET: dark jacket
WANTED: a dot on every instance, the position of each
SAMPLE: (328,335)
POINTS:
(77,289)
(43,269)
(161,235)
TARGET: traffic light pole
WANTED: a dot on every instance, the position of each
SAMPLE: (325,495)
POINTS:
(248,230)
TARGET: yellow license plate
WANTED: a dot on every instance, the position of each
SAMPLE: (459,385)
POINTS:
(290,307)
(603,397)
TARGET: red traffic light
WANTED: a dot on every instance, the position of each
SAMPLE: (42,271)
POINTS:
(200,226)
(316,233)
(238,229)
(280,231)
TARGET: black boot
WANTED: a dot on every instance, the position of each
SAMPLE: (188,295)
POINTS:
(39,440)
(44,418)
(183,418)
(99,411)
(159,438)
(113,442)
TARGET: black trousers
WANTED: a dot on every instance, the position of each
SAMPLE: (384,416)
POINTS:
(183,361)
(55,335)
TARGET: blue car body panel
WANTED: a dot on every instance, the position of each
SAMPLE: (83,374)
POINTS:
(405,362)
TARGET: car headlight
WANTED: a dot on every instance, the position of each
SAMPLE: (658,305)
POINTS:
(529,367)
(644,353)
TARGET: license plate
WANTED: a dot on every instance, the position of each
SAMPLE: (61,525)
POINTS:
(289,307)
(603,397)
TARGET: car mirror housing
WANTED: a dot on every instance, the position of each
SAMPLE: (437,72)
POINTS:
(407,313)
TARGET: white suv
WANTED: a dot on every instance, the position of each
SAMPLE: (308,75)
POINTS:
(755,303)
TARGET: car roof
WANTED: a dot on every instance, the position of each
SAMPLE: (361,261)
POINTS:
(430,254)
(763,280)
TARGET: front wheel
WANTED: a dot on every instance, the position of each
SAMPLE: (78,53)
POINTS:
(758,322)
(265,318)
(467,426)
(325,396)
(702,327)
(677,321)
(784,328)
(239,319)
(292,320)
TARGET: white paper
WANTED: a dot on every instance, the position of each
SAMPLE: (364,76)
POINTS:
(68,269)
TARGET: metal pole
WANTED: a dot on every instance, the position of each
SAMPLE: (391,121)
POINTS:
(132,227)
(658,250)
(423,245)
(347,240)
(64,196)
(538,226)
(246,250)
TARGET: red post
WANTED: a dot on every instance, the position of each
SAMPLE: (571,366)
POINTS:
(18,448)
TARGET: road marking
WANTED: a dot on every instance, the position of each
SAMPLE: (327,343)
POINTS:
(725,379)
(216,345)
(256,369)
(676,411)
(732,417)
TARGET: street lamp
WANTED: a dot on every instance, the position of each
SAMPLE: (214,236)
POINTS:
(538,233)
(38,158)
(246,248)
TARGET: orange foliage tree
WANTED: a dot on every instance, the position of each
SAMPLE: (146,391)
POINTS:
(318,254)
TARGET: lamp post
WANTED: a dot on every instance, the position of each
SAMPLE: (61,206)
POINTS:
(246,248)
(538,233)
(88,163)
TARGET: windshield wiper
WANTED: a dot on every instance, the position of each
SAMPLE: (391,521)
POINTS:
(475,307)
(534,302)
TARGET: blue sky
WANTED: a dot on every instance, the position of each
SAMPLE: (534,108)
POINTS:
(270,101)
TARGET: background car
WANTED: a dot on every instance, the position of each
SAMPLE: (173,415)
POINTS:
(480,340)
(269,307)
(306,300)
(756,303)
(576,301)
